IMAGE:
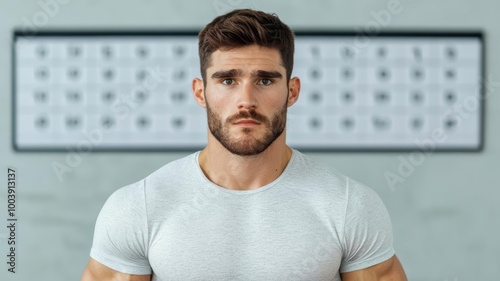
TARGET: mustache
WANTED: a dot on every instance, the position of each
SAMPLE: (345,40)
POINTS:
(248,114)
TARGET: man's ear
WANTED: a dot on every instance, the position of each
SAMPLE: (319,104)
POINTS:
(199,92)
(294,90)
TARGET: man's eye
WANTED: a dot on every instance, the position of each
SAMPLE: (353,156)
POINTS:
(227,81)
(266,82)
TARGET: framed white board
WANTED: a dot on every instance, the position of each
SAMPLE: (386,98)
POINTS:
(130,91)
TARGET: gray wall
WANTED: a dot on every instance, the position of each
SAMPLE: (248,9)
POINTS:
(445,215)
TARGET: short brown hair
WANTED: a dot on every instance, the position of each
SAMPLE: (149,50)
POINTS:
(244,27)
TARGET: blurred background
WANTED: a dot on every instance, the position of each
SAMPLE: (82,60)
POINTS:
(444,210)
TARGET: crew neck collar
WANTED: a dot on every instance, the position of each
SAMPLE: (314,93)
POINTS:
(244,192)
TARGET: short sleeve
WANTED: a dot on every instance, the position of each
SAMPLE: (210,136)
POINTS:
(368,238)
(121,232)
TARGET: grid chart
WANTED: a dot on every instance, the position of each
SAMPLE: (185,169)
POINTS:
(131,91)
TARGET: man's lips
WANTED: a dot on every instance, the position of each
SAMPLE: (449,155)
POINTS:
(248,122)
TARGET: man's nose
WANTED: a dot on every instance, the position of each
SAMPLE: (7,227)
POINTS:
(247,96)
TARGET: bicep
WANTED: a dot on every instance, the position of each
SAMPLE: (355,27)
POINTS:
(389,270)
(121,232)
(368,237)
(95,271)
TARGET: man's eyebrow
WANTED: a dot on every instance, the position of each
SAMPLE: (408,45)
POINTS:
(236,72)
(267,74)
(226,73)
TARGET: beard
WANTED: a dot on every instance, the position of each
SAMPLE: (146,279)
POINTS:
(250,145)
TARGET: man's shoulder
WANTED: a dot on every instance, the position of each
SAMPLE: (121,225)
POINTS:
(173,170)
(165,176)
(316,178)
(323,175)
(313,169)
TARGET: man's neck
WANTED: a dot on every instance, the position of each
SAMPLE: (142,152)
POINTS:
(244,172)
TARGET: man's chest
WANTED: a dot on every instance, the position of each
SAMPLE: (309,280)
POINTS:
(245,246)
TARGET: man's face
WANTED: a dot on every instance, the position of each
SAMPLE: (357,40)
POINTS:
(246,97)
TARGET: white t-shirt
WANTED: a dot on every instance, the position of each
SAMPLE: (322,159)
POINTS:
(311,223)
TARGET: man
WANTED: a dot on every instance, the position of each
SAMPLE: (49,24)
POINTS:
(246,207)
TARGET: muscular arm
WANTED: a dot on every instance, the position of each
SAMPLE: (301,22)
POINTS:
(389,270)
(95,271)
